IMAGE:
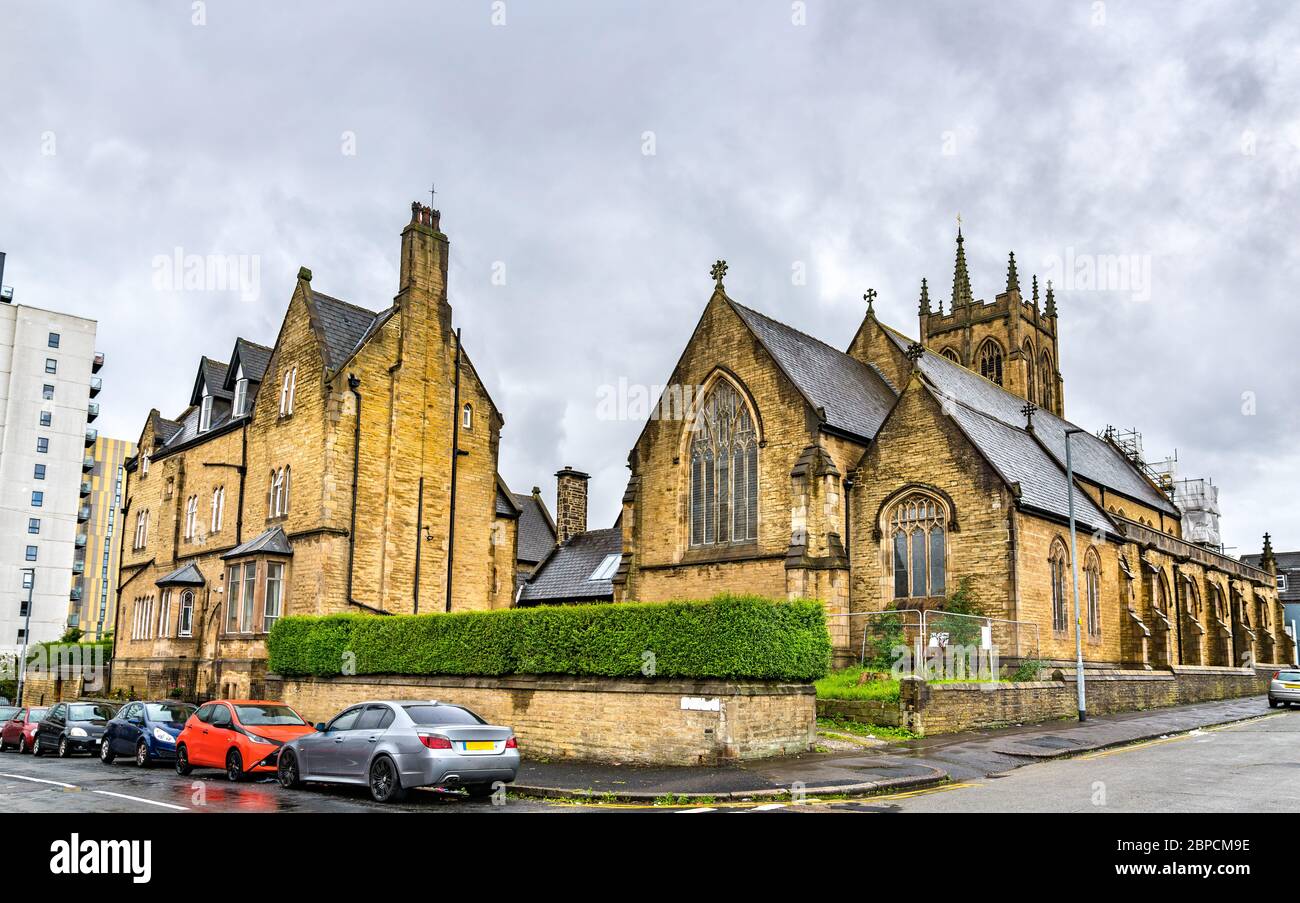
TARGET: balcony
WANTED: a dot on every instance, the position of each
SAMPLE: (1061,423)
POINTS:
(98,362)
(85,488)
(91,436)
(75,594)
(92,411)
(83,514)
(79,566)
(95,385)
(88,463)
(7,294)
(80,541)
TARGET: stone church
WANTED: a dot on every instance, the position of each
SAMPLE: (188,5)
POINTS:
(348,466)
(879,476)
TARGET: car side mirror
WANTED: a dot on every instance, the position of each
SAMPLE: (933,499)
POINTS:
(320,726)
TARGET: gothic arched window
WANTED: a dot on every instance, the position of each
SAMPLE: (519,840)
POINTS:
(1092,584)
(1059,564)
(724,470)
(918,541)
(1047,381)
(951,354)
(1031,390)
(990,360)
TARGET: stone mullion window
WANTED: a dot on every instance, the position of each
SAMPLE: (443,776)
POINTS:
(723,470)
(1092,584)
(918,541)
(1058,564)
(990,361)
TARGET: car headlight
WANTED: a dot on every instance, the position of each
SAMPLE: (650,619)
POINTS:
(77,732)
(257,739)
(162,736)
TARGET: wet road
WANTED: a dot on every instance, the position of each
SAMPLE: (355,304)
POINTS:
(84,784)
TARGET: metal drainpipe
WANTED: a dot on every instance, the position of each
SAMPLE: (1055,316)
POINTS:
(354,386)
(455,455)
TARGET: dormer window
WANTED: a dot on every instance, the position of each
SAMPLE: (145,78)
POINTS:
(205,412)
(241,395)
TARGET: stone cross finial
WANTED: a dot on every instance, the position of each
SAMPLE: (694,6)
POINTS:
(914,351)
(717,271)
(870,298)
(1029,410)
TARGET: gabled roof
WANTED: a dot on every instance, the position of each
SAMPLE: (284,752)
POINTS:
(252,358)
(271,542)
(1094,459)
(565,575)
(164,429)
(505,503)
(536,528)
(342,326)
(212,374)
(852,396)
(186,575)
(1020,460)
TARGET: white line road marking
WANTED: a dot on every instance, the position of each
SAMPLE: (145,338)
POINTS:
(768,807)
(20,777)
(139,799)
(124,796)
(695,811)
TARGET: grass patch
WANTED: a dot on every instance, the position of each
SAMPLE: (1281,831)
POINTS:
(858,729)
(844,684)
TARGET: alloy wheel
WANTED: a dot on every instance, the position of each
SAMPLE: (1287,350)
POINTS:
(234,766)
(142,755)
(288,770)
(63,747)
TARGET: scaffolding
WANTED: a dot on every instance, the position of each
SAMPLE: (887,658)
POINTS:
(1199,500)
(1163,473)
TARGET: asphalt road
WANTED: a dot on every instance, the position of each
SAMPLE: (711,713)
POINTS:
(1248,767)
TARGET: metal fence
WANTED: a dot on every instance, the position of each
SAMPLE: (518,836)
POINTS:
(903,639)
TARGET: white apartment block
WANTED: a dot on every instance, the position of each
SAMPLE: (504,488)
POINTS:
(47,387)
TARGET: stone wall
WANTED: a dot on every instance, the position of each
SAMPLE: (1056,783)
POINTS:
(639,722)
(948,708)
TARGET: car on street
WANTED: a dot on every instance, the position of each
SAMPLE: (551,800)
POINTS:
(1284,688)
(8,711)
(241,736)
(146,731)
(393,746)
(73,727)
(20,730)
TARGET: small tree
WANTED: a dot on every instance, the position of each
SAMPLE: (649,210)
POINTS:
(964,628)
(72,635)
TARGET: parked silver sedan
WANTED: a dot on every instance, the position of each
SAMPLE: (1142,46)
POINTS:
(391,746)
(1284,688)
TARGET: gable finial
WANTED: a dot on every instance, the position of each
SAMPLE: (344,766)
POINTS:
(870,298)
(1050,310)
(914,352)
(717,271)
(1013,278)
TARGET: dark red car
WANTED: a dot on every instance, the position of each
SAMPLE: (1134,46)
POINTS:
(20,730)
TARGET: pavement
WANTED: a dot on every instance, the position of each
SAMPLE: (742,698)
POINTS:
(889,768)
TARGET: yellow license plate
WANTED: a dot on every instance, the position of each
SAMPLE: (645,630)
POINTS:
(480,744)
(1292,686)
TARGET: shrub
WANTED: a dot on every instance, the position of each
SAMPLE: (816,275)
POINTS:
(724,637)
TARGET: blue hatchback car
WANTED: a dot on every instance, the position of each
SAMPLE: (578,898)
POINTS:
(146,731)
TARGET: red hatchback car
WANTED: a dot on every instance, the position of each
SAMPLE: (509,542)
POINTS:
(20,730)
(241,736)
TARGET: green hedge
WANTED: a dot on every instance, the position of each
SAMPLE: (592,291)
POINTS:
(52,651)
(725,637)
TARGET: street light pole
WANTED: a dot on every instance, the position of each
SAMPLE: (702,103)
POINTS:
(29,575)
(1074,573)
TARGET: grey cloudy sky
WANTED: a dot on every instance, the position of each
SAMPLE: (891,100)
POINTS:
(846,145)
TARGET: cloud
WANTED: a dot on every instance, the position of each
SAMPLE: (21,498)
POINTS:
(847,144)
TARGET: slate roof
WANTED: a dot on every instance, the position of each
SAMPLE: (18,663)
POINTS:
(536,528)
(853,396)
(565,574)
(1094,459)
(165,429)
(252,358)
(187,575)
(343,327)
(189,422)
(505,504)
(213,375)
(1287,563)
(271,542)
(1020,459)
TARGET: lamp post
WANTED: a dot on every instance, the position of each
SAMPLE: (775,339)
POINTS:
(1074,574)
(29,578)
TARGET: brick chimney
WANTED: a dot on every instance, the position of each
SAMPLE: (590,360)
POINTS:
(570,504)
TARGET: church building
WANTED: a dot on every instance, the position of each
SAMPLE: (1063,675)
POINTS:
(881,476)
(348,466)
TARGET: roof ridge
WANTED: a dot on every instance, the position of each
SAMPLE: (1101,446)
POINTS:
(794,329)
(240,338)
